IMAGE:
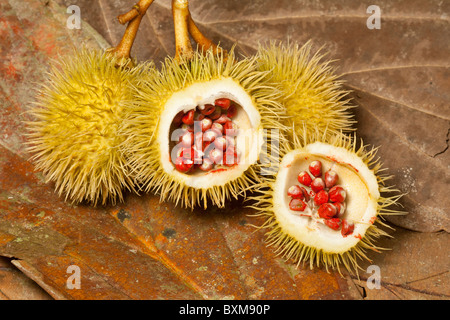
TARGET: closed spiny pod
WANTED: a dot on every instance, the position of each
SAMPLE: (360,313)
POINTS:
(73,132)
(73,135)
(313,93)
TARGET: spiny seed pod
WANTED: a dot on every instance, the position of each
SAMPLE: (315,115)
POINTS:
(321,231)
(312,93)
(227,105)
(73,135)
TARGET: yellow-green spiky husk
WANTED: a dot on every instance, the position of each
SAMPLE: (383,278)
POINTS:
(293,250)
(312,92)
(141,123)
(73,135)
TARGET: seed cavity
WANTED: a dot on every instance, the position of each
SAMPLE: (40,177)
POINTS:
(320,198)
(206,137)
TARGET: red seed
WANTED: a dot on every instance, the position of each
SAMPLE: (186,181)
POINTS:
(198,147)
(207,151)
(198,156)
(230,141)
(331,178)
(198,117)
(317,184)
(210,135)
(187,154)
(216,113)
(224,103)
(340,209)
(337,194)
(187,127)
(215,155)
(205,145)
(183,165)
(231,150)
(305,194)
(187,139)
(232,111)
(327,211)
(222,119)
(230,157)
(295,192)
(198,140)
(209,108)
(297,205)
(206,124)
(218,127)
(347,227)
(230,128)
(206,165)
(315,168)
(304,178)
(188,118)
(334,223)
(228,125)
(321,197)
(221,143)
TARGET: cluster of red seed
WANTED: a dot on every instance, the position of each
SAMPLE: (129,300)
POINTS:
(206,137)
(324,197)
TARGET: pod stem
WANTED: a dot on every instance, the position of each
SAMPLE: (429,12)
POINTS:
(133,17)
(184,26)
(199,38)
(180,12)
(139,8)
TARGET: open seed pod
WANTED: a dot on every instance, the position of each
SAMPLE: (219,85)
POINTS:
(325,202)
(74,132)
(312,92)
(196,127)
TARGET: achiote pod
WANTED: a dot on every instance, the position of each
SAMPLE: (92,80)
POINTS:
(73,132)
(313,94)
(73,136)
(196,127)
(325,202)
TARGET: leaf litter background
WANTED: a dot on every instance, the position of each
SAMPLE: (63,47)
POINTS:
(142,249)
